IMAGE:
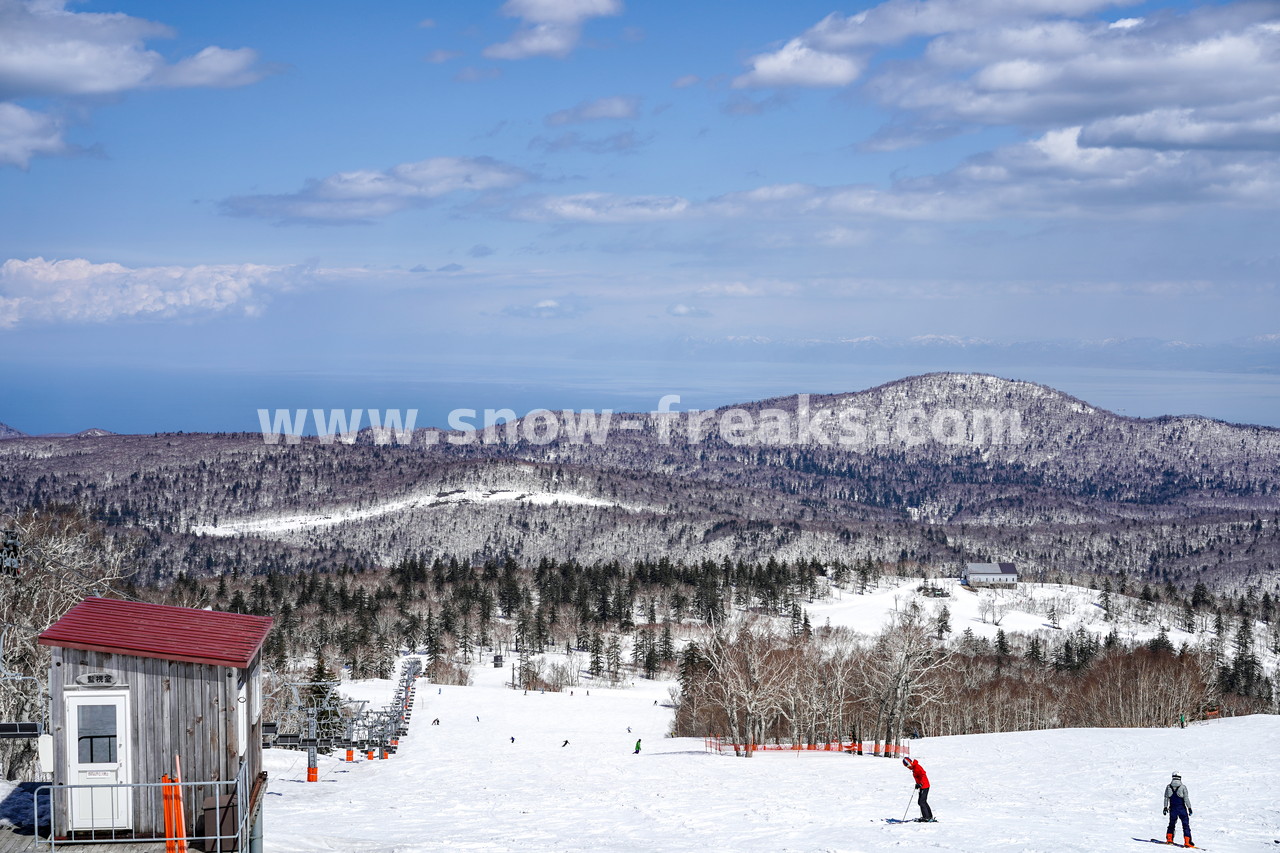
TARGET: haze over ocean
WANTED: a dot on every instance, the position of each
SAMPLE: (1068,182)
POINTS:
(70,400)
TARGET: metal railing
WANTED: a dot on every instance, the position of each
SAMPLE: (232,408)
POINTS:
(230,810)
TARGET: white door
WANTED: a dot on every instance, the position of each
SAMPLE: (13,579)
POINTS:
(98,755)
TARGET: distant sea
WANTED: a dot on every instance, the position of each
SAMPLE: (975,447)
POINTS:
(42,399)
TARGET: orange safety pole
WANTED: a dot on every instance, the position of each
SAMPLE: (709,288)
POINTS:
(179,812)
(351,755)
(170,846)
(313,774)
(175,839)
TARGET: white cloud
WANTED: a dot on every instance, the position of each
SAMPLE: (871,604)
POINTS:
(1257,128)
(896,20)
(605,208)
(614,107)
(563,308)
(212,67)
(560,11)
(548,27)
(1052,73)
(77,290)
(841,236)
(1052,175)
(733,288)
(1184,80)
(367,194)
(682,310)
(25,134)
(48,51)
(624,142)
(438,56)
(797,64)
(834,51)
(475,74)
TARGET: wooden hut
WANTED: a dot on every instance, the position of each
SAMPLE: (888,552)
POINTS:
(135,685)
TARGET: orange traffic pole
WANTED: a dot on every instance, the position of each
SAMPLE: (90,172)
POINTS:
(167,795)
(179,810)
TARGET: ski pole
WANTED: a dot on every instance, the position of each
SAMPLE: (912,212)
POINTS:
(908,808)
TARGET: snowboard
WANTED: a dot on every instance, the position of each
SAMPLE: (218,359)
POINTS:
(1167,844)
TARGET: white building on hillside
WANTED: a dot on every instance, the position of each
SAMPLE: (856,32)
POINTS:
(994,574)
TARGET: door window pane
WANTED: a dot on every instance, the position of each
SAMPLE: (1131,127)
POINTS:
(96,733)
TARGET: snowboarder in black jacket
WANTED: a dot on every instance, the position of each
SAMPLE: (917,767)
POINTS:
(1177,804)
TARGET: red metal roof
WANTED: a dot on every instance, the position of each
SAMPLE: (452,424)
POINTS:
(160,631)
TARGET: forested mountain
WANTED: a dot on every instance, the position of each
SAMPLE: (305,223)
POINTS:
(935,469)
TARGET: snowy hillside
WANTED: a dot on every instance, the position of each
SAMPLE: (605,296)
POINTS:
(1027,609)
(350,515)
(935,470)
(464,785)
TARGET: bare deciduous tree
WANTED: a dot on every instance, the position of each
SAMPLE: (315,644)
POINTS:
(64,559)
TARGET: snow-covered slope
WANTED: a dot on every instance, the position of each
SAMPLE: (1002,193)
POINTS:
(271,525)
(1025,609)
(464,785)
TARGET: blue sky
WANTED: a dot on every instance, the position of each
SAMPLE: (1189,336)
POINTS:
(575,202)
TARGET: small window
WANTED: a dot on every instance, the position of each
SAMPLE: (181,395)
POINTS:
(96,734)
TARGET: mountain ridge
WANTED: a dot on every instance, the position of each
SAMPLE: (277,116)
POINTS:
(1077,488)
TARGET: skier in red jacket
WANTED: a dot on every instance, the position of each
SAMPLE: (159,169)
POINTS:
(922,785)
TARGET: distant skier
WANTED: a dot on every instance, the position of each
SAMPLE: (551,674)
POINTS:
(637,752)
(922,785)
(628,729)
(563,745)
(513,739)
(1177,804)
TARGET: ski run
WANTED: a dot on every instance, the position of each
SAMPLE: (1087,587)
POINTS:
(464,785)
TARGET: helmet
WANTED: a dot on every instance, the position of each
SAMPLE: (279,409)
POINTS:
(906,762)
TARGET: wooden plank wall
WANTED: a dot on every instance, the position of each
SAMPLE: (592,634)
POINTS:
(176,708)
